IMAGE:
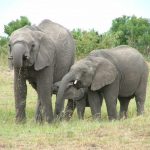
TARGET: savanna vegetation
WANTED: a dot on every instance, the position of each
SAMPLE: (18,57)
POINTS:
(132,133)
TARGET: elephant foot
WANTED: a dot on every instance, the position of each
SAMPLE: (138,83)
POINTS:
(97,116)
(48,116)
(39,118)
(140,113)
(20,117)
(112,118)
(71,105)
(20,120)
(49,119)
(68,114)
(123,115)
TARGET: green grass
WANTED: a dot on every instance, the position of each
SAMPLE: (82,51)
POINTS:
(132,133)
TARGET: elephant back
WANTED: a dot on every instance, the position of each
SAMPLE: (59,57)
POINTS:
(54,30)
(65,47)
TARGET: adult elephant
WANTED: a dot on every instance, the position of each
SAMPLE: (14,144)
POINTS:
(42,55)
(118,72)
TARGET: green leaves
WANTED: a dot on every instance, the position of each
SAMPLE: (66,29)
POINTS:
(85,41)
(125,30)
(14,25)
(132,31)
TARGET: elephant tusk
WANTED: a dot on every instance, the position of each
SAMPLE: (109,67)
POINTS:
(10,58)
(75,82)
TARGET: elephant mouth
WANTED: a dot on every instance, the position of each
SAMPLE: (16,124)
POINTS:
(27,62)
(77,84)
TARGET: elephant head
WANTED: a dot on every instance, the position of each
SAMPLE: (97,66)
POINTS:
(91,72)
(29,46)
(71,91)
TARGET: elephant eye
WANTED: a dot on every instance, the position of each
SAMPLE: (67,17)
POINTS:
(9,45)
(32,46)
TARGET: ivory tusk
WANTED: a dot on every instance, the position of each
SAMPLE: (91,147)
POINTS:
(75,82)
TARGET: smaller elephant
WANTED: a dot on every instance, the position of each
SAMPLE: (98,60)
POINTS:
(115,73)
(82,98)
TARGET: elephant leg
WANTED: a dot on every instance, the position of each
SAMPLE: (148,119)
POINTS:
(95,104)
(20,92)
(140,95)
(101,101)
(44,90)
(38,114)
(124,102)
(71,105)
(111,94)
(81,104)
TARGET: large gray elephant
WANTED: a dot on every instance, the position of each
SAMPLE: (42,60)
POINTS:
(42,55)
(82,98)
(118,72)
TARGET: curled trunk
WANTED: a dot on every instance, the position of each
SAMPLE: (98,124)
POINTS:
(60,95)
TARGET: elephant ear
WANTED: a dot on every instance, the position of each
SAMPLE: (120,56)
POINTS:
(45,55)
(105,74)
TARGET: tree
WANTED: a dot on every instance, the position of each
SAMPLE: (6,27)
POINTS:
(119,27)
(132,31)
(3,41)
(86,41)
(14,25)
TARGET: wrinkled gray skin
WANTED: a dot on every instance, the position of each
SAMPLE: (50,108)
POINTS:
(80,97)
(120,72)
(42,55)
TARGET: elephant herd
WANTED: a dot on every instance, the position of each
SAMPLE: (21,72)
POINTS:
(45,56)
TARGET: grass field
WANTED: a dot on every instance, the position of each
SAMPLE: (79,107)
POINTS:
(130,134)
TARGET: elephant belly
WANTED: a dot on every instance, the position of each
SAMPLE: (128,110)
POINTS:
(129,85)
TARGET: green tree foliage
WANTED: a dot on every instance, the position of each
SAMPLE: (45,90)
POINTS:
(132,31)
(14,25)
(3,41)
(127,30)
(86,41)
(3,51)
(3,45)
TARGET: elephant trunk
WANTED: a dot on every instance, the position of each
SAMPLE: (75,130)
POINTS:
(17,55)
(60,95)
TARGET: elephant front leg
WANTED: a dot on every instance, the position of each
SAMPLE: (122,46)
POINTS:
(95,104)
(20,92)
(44,90)
(111,94)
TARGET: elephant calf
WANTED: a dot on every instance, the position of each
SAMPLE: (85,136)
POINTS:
(120,72)
(81,100)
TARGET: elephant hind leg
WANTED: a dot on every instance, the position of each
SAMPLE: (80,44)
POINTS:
(140,94)
(38,114)
(124,102)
